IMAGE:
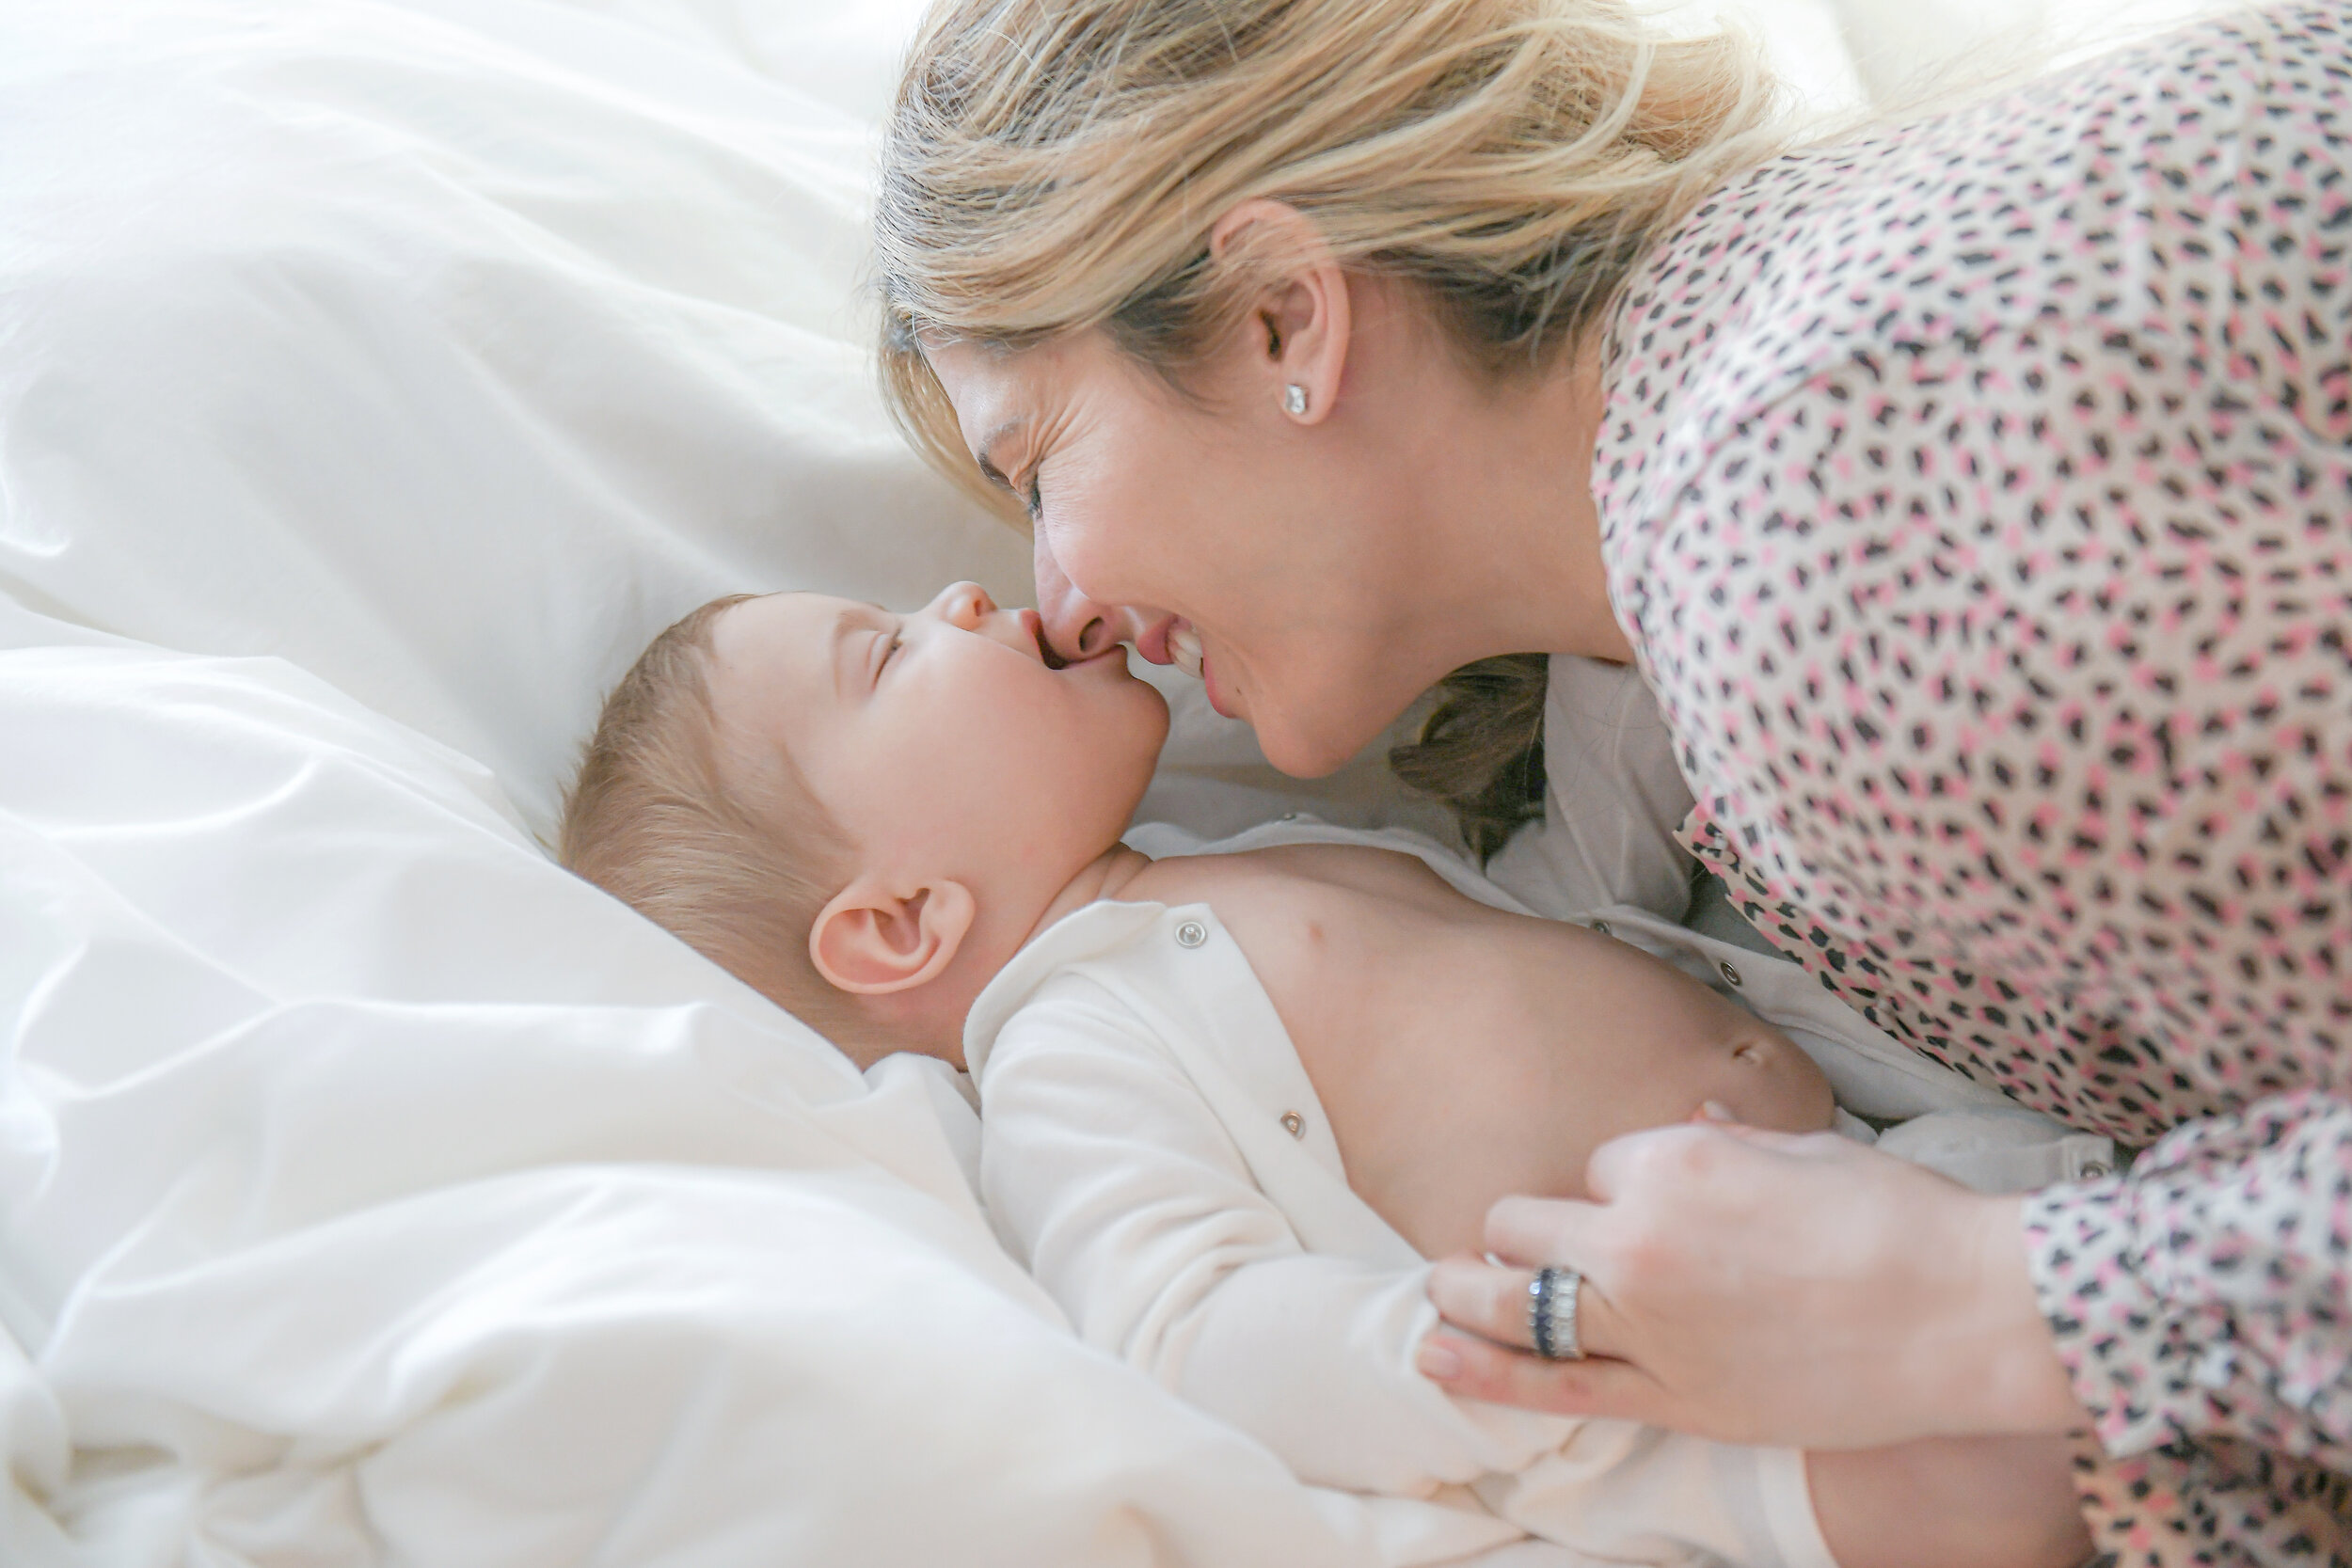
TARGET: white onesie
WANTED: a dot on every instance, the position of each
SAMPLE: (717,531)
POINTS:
(1154,1152)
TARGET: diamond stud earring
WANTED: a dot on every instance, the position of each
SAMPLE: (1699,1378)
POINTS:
(1294,400)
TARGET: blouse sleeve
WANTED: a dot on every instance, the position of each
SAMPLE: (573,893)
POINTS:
(2207,1293)
(2013,674)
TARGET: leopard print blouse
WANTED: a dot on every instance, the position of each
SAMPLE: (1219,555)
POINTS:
(1978,497)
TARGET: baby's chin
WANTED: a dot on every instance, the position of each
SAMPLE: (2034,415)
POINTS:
(1159,730)
(1152,725)
(1122,765)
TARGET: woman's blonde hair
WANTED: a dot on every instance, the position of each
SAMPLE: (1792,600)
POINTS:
(1055,165)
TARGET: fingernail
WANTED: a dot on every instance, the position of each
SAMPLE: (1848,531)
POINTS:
(1715,1109)
(1439,1363)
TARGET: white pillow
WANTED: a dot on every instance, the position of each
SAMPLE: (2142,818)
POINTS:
(446,351)
(1904,48)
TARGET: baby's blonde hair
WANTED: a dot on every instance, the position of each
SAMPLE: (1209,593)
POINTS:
(736,866)
(1055,165)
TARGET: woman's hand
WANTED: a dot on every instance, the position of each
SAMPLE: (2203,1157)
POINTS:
(1763,1288)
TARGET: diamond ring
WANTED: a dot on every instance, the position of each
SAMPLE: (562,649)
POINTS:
(1551,1314)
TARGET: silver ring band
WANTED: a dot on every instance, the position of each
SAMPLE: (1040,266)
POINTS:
(1551,1314)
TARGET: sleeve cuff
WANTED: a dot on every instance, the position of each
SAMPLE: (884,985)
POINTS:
(2113,1326)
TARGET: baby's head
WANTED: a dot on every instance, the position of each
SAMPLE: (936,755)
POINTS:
(861,813)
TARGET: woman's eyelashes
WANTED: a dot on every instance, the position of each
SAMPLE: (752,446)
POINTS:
(1034,500)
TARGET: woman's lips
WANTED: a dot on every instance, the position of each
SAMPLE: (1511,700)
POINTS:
(1208,682)
(1185,652)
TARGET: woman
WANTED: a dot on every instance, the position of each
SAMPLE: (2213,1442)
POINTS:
(1973,498)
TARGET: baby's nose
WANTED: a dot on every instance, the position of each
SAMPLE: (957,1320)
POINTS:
(963,605)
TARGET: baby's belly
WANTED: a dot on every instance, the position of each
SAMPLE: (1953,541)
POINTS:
(1433,1156)
(1504,1051)
(1464,1055)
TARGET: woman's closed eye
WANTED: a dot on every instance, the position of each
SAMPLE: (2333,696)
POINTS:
(1034,500)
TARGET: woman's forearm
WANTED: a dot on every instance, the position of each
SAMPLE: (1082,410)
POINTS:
(1950,1502)
(1991,1361)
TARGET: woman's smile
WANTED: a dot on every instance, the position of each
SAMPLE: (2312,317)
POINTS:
(1186,652)
(1183,648)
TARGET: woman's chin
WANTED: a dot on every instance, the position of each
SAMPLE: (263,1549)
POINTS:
(1301,755)
(1323,729)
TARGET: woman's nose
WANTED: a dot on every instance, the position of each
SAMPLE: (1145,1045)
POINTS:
(1075,626)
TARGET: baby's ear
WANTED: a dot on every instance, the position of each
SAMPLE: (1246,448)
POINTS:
(872,940)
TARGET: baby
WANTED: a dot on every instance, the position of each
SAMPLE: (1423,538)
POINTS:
(1231,1102)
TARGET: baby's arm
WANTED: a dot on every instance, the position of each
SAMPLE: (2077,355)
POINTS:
(1117,1184)
(1124,1194)
(1954,1502)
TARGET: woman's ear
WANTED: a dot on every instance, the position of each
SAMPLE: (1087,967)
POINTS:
(1298,332)
(871,941)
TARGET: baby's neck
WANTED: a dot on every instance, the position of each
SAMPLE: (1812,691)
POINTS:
(1101,877)
(930,1018)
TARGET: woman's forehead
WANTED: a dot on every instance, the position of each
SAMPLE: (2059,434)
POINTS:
(998,389)
(996,394)
(974,373)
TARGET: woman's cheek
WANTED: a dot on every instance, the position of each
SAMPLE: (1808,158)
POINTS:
(1120,542)
(1090,555)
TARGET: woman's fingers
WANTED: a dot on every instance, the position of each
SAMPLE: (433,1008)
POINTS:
(1752,1286)
(1471,1368)
(1692,1153)
(1534,1232)
(1484,1297)
(1492,1300)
